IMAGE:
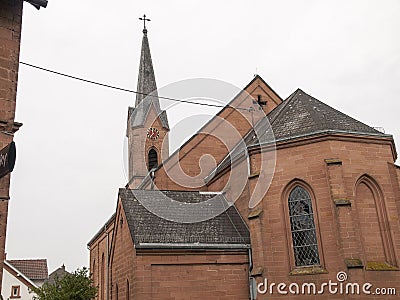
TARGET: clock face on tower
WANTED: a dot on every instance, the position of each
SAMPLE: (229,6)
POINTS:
(153,133)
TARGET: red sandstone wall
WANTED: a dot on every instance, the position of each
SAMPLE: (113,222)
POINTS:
(173,274)
(182,275)
(398,174)
(339,228)
(201,144)
(10,36)
(123,256)
(98,268)
(188,275)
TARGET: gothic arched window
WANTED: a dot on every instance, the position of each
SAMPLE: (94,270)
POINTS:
(152,159)
(305,245)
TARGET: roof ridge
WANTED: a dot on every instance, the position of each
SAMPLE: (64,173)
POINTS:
(257,76)
(280,108)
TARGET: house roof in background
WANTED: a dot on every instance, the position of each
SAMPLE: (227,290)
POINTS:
(18,274)
(34,269)
(59,273)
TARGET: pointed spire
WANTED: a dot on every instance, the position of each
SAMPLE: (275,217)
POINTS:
(146,79)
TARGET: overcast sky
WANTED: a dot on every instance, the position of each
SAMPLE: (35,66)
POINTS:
(70,148)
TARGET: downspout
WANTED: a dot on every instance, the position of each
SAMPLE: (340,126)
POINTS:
(252,281)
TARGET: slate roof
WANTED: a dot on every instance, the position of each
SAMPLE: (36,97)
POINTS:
(147,89)
(226,230)
(139,114)
(34,269)
(302,115)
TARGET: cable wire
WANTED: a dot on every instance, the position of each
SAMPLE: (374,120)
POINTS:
(120,88)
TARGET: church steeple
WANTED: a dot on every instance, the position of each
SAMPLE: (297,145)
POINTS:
(147,126)
(146,79)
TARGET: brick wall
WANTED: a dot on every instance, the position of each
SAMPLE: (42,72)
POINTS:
(10,35)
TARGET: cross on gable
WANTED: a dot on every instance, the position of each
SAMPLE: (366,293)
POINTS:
(260,102)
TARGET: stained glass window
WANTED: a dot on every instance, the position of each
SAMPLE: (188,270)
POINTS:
(302,225)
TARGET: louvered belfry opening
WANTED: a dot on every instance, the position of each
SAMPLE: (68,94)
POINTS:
(152,159)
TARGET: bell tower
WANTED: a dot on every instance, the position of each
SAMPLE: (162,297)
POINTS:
(147,124)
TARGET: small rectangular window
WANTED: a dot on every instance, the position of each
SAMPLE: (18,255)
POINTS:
(15,291)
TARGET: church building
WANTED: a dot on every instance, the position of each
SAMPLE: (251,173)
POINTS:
(305,204)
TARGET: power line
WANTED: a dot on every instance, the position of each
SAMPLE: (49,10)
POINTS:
(120,88)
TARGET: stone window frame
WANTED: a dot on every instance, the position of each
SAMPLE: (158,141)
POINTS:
(302,270)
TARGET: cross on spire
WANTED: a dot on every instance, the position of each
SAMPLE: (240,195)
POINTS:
(144,22)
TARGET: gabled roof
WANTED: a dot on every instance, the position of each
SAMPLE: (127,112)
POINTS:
(34,269)
(57,274)
(226,231)
(302,115)
(230,104)
(18,274)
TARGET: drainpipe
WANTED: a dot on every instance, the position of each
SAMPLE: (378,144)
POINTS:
(252,280)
